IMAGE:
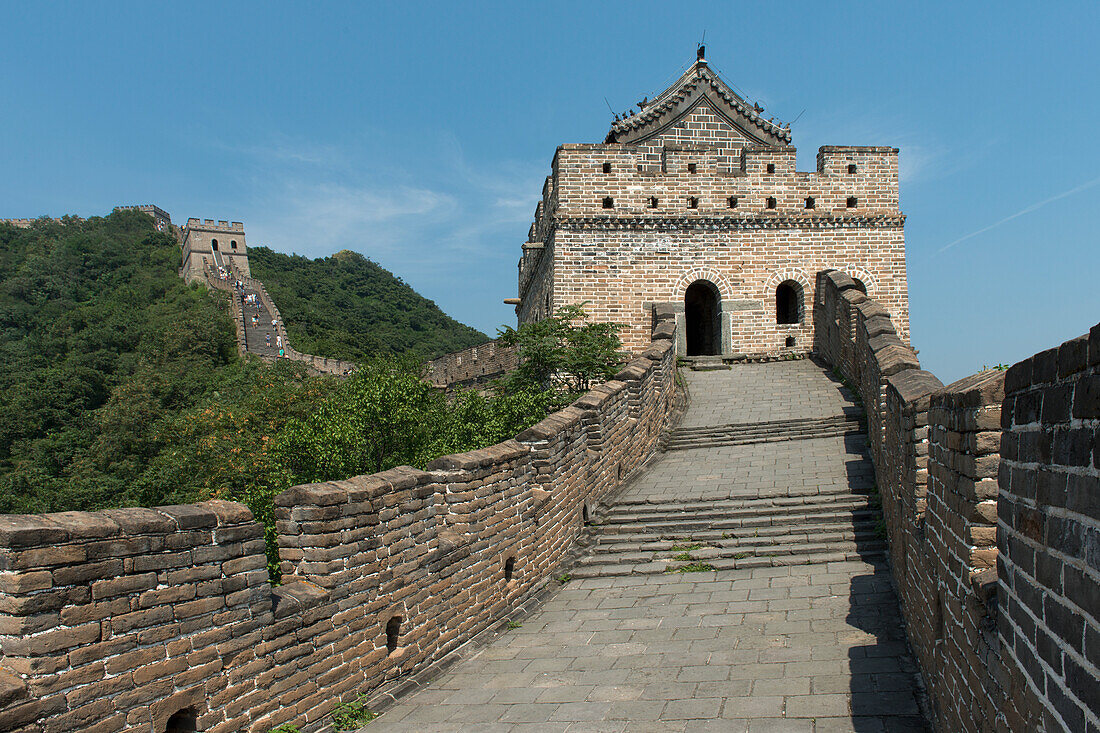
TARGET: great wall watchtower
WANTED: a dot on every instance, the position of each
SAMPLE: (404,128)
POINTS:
(694,202)
(214,242)
(161,219)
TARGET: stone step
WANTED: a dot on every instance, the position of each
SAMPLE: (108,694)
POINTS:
(731,509)
(769,547)
(792,496)
(797,496)
(668,547)
(764,432)
(790,423)
(646,541)
(684,526)
(807,555)
(674,445)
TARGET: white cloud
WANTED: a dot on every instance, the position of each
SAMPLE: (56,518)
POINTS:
(1026,210)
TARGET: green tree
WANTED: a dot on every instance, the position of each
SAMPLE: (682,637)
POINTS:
(382,416)
(563,352)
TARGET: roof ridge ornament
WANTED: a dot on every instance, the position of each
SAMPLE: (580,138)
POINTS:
(700,53)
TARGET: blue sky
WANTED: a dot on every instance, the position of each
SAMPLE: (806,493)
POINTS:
(419,133)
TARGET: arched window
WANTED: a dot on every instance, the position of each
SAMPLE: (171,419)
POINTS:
(214,244)
(185,721)
(788,302)
(393,633)
(653,202)
(608,202)
(233,244)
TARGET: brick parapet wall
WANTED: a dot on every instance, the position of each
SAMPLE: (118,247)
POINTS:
(471,366)
(1049,528)
(116,620)
(580,183)
(936,452)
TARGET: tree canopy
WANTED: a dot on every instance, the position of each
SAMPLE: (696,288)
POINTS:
(346,306)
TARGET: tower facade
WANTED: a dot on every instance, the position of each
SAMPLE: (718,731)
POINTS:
(694,202)
(219,243)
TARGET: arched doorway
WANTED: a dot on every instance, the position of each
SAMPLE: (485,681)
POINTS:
(703,319)
(788,302)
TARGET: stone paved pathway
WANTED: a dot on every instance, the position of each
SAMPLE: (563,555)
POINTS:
(802,647)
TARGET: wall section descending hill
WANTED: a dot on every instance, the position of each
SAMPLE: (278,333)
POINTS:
(137,619)
(989,490)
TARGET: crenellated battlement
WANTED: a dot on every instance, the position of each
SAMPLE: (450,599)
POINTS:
(210,225)
(613,182)
(213,243)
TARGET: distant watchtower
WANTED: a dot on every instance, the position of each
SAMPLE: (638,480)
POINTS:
(694,203)
(217,243)
(161,219)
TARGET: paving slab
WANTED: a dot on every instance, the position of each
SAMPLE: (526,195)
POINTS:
(816,648)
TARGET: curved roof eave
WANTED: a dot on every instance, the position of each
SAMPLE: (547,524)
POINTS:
(697,84)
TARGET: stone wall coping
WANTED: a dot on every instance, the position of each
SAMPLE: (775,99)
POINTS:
(509,450)
(551,425)
(1046,367)
(895,358)
(40,530)
(914,386)
(977,390)
(857,149)
(296,597)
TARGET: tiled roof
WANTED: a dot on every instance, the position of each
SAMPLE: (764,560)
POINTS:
(681,96)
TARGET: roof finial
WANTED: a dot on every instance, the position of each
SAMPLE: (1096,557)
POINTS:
(701,51)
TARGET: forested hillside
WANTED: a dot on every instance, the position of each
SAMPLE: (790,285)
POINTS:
(122,385)
(348,307)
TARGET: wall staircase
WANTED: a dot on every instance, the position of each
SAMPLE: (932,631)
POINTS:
(262,336)
(650,538)
(764,432)
(796,525)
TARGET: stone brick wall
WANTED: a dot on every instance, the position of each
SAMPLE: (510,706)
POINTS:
(1049,528)
(643,231)
(118,620)
(1003,649)
(475,365)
